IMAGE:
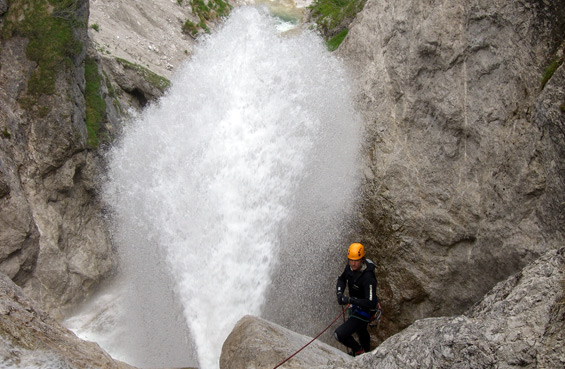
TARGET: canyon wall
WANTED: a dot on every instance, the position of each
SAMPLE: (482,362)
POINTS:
(53,239)
(70,75)
(464,169)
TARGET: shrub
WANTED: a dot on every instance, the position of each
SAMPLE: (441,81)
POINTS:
(334,42)
(190,28)
(206,11)
(332,18)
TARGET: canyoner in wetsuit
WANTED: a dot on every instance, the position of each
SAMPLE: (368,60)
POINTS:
(359,277)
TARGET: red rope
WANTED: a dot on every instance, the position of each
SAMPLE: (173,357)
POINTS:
(313,339)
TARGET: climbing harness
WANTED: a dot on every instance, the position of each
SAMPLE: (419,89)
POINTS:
(376,317)
(373,317)
(313,339)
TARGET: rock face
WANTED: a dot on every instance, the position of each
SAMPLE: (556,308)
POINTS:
(30,338)
(257,343)
(464,173)
(149,34)
(519,323)
(139,45)
(53,241)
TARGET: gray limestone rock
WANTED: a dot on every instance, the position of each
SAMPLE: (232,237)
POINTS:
(30,338)
(138,85)
(53,240)
(134,39)
(257,343)
(75,250)
(463,184)
(149,34)
(520,323)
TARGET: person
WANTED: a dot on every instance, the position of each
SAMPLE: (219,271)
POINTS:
(359,277)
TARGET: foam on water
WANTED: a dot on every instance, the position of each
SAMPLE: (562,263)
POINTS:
(257,131)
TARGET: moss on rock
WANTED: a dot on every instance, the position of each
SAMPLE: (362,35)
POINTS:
(48,25)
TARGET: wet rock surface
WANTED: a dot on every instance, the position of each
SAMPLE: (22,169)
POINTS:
(463,174)
(31,338)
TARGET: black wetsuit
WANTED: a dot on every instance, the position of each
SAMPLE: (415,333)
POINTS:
(362,287)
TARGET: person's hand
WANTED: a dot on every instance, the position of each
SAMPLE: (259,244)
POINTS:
(344,300)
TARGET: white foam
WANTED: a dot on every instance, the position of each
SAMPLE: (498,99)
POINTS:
(204,184)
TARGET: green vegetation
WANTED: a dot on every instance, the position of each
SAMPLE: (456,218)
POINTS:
(332,18)
(95,104)
(550,70)
(95,27)
(48,24)
(191,28)
(156,80)
(334,42)
(207,11)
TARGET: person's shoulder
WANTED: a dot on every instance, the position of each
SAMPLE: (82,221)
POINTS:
(370,265)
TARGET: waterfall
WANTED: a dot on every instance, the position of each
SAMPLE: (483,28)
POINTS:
(238,177)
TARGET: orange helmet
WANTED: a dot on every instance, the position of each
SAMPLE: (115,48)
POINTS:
(356,251)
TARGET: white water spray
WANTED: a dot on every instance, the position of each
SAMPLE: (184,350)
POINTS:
(257,131)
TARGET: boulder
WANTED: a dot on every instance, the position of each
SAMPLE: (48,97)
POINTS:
(31,338)
(463,172)
(257,343)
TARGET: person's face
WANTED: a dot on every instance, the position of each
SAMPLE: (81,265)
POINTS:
(355,265)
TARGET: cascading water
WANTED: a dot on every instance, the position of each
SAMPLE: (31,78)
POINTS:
(235,180)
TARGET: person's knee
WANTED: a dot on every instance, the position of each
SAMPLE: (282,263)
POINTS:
(336,335)
(341,335)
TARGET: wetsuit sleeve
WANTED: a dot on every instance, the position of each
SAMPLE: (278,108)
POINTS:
(341,282)
(370,290)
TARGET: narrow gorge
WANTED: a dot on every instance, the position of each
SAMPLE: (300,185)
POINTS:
(169,172)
